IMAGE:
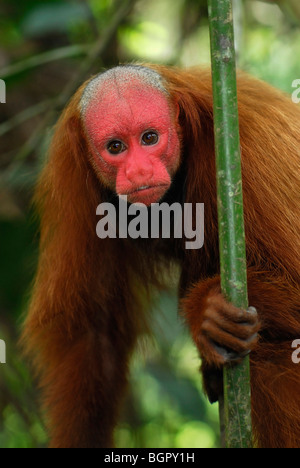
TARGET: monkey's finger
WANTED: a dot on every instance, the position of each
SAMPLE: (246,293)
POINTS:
(215,354)
(227,340)
(241,330)
(231,312)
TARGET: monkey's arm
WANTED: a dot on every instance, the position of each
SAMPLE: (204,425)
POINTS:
(226,334)
(275,379)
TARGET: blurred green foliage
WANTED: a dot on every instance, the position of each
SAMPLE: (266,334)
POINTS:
(165,407)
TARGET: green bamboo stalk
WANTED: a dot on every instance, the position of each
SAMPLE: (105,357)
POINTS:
(236,407)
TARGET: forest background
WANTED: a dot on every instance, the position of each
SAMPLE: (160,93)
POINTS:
(47,49)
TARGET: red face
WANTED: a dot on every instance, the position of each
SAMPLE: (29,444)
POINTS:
(132,132)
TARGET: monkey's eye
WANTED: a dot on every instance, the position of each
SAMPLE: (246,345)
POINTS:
(116,147)
(150,138)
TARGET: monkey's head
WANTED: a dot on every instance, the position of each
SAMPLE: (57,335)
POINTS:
(131,125)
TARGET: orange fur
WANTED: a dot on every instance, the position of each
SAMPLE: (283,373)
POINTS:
(86,315)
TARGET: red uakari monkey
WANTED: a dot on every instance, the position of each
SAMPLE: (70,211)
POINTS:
(146,132)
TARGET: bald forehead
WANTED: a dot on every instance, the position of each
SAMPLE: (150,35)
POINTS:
(120,79)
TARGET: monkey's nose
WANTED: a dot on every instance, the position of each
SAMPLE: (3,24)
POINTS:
(139,172)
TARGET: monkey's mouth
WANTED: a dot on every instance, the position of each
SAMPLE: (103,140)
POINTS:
(149,187)
(145,187)
(147,194)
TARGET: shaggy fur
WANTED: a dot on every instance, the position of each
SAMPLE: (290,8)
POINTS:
(86,310)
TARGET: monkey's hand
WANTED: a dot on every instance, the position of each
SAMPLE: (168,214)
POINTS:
(227,334)
(222,332)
